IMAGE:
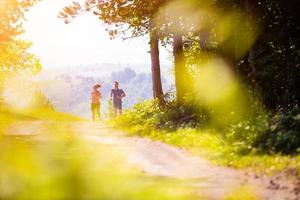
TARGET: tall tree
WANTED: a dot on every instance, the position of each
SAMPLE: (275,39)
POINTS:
(180,67)
(155,62)
(179,21)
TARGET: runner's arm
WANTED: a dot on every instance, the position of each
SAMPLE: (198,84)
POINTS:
(123,94)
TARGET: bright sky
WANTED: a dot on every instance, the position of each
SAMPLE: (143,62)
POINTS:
(84,41)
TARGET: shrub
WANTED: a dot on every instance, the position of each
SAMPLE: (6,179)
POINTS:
(279,133)
(283,133)
(151,115)
(243,135)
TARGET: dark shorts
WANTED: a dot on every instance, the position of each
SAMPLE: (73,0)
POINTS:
(118,105)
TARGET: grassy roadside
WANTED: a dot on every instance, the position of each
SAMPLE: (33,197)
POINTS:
(35,114)
(213,146)
(11,116)
(256,140)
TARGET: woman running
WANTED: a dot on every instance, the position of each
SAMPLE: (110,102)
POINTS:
(95,106)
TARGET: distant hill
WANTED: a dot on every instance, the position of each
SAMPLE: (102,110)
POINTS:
(69,89)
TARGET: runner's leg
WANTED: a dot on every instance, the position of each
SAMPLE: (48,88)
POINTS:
(93,112)
(115,111)
(98,111)
(120,108)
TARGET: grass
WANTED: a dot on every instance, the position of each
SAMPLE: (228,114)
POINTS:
(213,146)
(242,193)
(8,116)
(36,114)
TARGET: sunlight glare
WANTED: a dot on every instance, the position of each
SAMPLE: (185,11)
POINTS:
(216,87)
(18,92)
(216,76)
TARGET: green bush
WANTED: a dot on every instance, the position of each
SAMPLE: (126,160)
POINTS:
(279,133)
(244,135)
(151,114)
(283,133)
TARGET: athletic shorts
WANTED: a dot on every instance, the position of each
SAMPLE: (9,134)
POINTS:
(118,105)
(95,106)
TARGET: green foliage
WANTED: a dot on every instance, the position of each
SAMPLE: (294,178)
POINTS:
(244,134)
(261,44)
(282,134)
(275,56)
(268,134)
(15,56)
(151,115)
(119,16)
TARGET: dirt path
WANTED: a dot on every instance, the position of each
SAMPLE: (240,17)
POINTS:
(159,159)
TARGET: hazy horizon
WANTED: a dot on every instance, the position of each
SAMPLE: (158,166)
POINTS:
(82,42)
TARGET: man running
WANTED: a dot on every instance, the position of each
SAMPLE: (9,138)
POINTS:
(117,94)
(95,106)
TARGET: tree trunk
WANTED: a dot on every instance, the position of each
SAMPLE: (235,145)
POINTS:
(155,63)
(180,70)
